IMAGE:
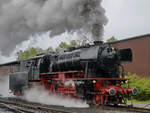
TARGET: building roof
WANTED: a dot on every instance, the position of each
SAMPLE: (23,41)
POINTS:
(10,63)
(133,38)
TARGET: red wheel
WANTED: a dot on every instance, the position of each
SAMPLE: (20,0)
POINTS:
(96,100)
(52,88)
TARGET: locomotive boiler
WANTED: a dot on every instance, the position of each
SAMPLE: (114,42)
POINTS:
(92,73)
(98,60)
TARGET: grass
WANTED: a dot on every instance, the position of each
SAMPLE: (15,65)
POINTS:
(141,102)
(143,86)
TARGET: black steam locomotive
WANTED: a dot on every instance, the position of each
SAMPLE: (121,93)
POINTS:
(98,60)
(94,69)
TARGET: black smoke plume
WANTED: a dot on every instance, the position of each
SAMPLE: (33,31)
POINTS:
(19,19)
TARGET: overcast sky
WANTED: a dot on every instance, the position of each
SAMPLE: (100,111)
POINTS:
(127,18)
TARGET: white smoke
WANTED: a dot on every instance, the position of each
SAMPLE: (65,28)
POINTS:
(20,19)
(69,83)
(4,86)
(40,95)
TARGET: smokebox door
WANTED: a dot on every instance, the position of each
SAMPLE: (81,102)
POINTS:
(125,55)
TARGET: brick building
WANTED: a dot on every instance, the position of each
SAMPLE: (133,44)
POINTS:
(7,68)
(140,46)
(140,65)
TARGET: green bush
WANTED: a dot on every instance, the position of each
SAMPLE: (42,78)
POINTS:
(142,84)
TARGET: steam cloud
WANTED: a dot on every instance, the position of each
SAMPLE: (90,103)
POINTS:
(20,19)
(40,95)
(4,86)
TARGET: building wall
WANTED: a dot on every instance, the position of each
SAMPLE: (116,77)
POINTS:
(5,70)
(141,55)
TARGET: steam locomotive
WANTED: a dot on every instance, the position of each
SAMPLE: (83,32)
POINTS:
(92,73)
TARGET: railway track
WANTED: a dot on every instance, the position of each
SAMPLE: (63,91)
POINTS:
(128,109)
(19,107)
(22,106)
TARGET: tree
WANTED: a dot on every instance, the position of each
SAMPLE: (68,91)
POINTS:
(73,43)
(112,39)
(50,49)
(142,84)
(31,52)
(62,46)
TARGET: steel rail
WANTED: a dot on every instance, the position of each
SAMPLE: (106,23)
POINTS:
(20,107)
(128,108)
(21,103)
(15,108)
